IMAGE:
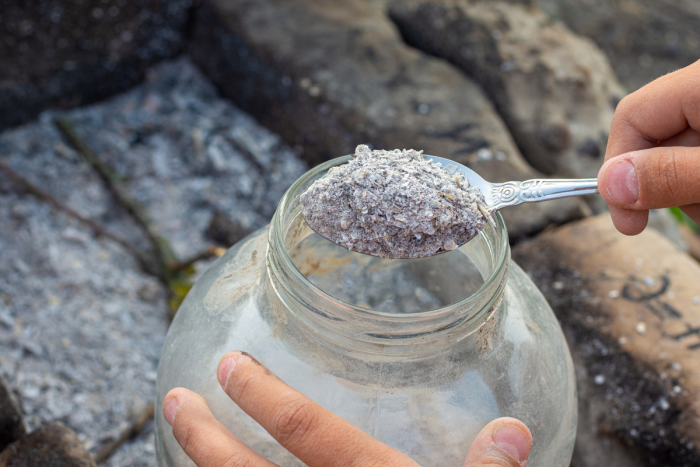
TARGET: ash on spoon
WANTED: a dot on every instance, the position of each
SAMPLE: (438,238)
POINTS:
(394,204)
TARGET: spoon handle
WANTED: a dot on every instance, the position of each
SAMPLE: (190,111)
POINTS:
(534,191)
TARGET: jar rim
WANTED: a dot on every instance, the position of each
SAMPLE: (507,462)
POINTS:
(278,229)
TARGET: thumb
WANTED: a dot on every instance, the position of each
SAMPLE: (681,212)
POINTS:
(653,178)
(505,442)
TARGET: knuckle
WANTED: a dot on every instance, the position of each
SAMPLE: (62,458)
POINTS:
(623,121)
(626,110)
(295,419)
(624,105)
(669,173)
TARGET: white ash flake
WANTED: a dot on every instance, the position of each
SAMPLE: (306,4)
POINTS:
(641,328)
(393,204)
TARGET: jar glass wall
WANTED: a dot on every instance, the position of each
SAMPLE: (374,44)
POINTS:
(421,354)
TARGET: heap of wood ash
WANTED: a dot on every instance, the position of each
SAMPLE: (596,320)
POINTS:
(393,204)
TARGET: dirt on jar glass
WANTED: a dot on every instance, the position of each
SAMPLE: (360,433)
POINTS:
(393,204)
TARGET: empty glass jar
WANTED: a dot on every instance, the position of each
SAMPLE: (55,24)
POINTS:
(421,354)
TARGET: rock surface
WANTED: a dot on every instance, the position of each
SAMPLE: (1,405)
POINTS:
(81,326)
(644,39)
(692,240)
(60,54)
(663,222)
(630,307)
(11,420)
(554,89)
(140,452)
(329,75)
(186,154)
(53,445)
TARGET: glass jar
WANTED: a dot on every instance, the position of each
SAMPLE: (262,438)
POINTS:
(421,354)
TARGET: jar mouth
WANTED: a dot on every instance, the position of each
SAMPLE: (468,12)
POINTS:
(288,229)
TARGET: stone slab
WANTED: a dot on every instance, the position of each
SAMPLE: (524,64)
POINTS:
(555,90)
(329,75)
(53,445)
(644,39)
(65,54)
(11,421)
(81,325)
(630,307)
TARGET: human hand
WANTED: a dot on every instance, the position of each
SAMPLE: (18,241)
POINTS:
(310,432)
(653,154)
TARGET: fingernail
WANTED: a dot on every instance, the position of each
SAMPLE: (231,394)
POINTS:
(169,410)
(512,440)
(622,183)
(226,366)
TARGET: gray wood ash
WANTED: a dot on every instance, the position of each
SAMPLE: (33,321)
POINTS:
(393,204)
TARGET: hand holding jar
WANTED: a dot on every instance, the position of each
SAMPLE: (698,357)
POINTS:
(313,434)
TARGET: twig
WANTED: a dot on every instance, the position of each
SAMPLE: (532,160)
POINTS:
(129,433)
(110,180)
(210,252)
(43,195)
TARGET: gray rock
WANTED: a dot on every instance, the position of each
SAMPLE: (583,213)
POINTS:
(329,75)
(184,154)
(691,239)
(554,89)
(11,421)
(644,39)
(63,54)
(81,326)
(140,452)
(82,340)
(630,309)
(53,445)
(596,444)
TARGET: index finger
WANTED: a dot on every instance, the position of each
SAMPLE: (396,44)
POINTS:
(315,435)
(656,112)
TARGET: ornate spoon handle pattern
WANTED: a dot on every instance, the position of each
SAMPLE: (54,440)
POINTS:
(532,191)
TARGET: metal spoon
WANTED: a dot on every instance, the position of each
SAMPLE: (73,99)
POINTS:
(501,195)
